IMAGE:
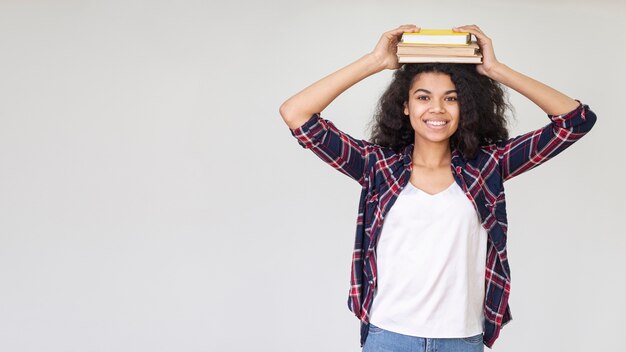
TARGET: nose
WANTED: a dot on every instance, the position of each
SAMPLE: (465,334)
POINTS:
(437,107)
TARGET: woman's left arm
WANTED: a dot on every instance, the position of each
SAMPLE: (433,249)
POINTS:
(550,100)
(570,120)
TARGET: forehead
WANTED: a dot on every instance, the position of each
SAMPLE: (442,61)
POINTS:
(432,81)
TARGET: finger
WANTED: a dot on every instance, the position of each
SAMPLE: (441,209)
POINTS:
(407,28)
(468,26)
(471,28)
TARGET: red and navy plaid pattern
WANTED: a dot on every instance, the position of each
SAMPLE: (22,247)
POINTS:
(383,174)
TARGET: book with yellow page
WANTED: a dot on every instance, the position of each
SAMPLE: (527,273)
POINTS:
(437,37)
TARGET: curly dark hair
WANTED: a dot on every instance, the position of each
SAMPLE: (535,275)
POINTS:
(482,104)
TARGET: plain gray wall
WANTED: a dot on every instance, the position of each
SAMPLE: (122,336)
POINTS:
(152,199)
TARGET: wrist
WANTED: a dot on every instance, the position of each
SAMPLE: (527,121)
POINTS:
(374,62)
(497,71)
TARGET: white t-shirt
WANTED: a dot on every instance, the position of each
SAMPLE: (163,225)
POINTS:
(431,266)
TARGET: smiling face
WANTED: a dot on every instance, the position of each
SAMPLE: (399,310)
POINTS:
(433,108)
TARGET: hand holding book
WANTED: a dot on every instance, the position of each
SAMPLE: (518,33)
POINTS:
(386,48)
(489,60)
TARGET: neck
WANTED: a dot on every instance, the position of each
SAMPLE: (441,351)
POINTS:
(432,155)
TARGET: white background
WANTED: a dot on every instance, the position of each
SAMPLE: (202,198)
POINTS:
(152,198)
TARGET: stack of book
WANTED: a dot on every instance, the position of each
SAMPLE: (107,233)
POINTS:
(438,45)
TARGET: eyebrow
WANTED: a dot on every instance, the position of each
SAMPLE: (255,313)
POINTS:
(429,92)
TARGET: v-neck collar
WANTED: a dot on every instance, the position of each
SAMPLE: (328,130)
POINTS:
(433,195)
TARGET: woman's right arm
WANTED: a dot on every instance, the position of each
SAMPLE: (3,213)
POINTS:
(313,99)
(302,111)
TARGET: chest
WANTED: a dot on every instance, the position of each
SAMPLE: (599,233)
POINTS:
(431,180)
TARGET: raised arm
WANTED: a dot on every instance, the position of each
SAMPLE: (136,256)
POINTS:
(551,101)
(313,99)
(570,119)
(302,111)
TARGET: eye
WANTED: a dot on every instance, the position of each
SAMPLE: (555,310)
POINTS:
(423,97)
(451,99)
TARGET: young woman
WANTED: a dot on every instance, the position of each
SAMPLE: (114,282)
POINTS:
(430,268)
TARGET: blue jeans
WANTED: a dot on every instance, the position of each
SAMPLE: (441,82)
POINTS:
(380,340)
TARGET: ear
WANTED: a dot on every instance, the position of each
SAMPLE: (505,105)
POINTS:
(406,109)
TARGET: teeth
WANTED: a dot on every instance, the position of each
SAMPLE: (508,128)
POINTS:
(436,123)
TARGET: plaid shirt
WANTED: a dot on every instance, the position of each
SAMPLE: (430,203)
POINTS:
(383,174)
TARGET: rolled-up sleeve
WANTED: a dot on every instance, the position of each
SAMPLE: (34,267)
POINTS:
(526,151)
(336,148)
